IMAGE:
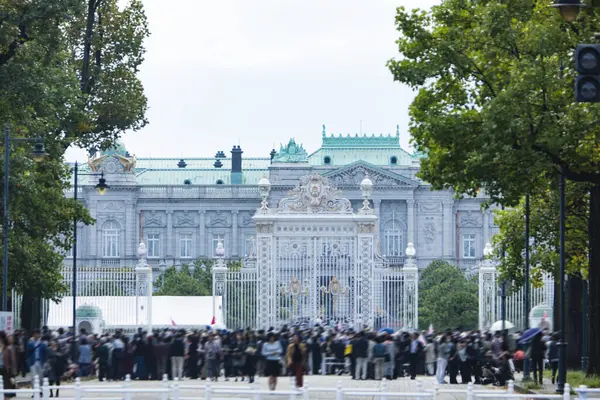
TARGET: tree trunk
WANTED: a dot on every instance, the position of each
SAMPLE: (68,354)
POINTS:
(30,312)
(574,325)
(594,282)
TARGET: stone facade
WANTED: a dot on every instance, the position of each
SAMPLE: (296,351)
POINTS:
(182,208)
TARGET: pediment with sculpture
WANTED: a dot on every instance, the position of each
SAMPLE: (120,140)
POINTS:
(314,194)
(353,174)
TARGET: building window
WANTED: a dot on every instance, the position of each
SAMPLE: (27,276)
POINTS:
(469,245)
(69,253)
(219,181)
(394,243)
(250,246)
(111,232)
(185,245)
(153,246)
(327,160)
(394,160)
(215,242)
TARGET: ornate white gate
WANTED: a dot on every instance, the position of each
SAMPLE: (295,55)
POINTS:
(316,262)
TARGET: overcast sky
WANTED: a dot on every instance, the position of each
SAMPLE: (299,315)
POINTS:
(258,72)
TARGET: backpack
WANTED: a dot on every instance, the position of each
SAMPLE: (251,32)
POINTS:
(379,350)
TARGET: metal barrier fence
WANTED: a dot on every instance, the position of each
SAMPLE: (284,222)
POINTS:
(176,390)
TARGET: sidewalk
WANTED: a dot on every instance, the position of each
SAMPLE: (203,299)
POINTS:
(546,388)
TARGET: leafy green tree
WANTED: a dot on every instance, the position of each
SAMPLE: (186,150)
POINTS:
(68,74)
(185,284)
(447,298)
(494,111)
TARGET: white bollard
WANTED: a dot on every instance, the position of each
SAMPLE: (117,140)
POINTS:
(165,385)
(339,394)
(36,388)
(46,389)
(208,391)
(511,387)
(77,388)
(128,386)
(470,391)
(175,388)
(567,392)
(583,392)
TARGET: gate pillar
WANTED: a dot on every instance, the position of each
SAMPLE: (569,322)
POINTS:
(143,277)
(411,290)
(487,290)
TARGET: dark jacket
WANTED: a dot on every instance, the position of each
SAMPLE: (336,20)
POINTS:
(177,348)
(360,348)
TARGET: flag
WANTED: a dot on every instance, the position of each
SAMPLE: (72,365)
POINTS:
(430,330)
(214,320)
(173,322)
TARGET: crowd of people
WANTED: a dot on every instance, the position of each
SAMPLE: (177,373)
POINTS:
(451,356)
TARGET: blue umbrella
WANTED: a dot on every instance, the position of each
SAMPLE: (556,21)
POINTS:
(528,335)
(389,331)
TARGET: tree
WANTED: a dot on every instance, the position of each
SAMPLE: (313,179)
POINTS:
(493,110)
(68,74)
(544,230)
(447,299)
(185,284)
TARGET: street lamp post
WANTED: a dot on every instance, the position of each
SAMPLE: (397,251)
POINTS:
(562,344)
(101,187)
(162,267)
(38,155)
(526,303)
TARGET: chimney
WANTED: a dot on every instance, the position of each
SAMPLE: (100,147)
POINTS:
(236,165)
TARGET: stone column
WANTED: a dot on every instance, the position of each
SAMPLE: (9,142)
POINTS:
(486,227)
(410,294)
(366,255)
(202,235)
(131,229)
(447,240)
(143,275)
(487,294)
(170,237)
(94,245)
(377,207)
(267,285)
(235,246)
(410,221)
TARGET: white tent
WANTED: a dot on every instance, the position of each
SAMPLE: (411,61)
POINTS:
(129,312)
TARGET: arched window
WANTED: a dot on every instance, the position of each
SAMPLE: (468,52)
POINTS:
(219,181)
(327,160)
(393,239)
(393,160)
(111,234)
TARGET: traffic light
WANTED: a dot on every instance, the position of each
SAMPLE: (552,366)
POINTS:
(587,83)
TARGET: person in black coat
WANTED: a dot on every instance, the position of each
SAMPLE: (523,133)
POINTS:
(538,350)
(416,347)
(315,352)
(192,353)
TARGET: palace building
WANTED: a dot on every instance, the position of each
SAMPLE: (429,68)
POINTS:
(182,208)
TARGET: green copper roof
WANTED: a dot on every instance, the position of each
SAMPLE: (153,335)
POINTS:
(361,141)
(87,311)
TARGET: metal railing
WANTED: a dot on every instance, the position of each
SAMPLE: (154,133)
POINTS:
(177,390)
